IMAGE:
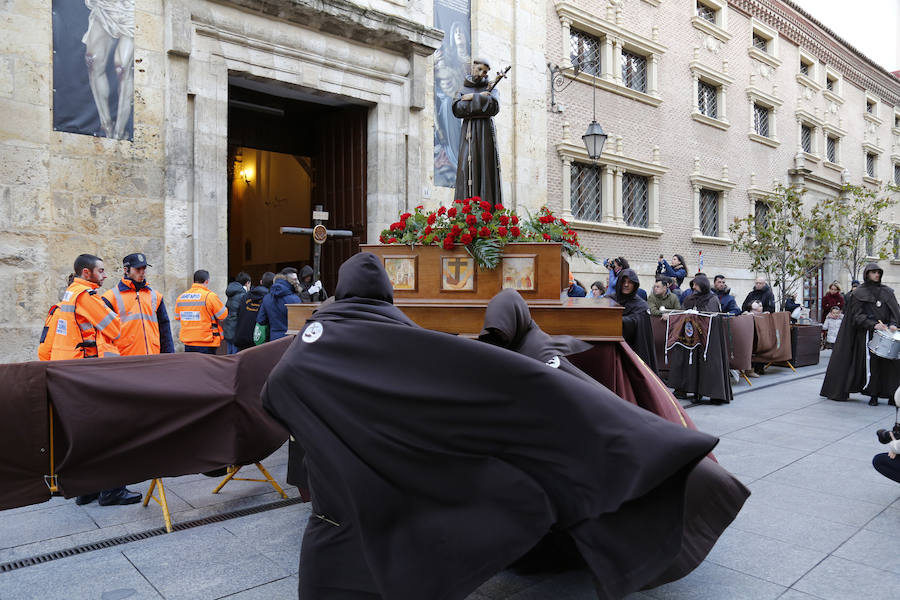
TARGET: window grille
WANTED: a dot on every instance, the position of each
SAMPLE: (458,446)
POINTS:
(706,99)
(706,13)
(585,52)
(586,194)
(761,120)
(831,149)
(870,164)
(806,138)
(709,213)
(829,84)
(761,214)
(804,68)
(635,200)
(634,71)
(896,173)
(896,245)
(870,243)
(870,108)
(897,121)
(760,43)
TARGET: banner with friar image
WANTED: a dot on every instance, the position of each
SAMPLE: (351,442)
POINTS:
(452,62)
(93,67)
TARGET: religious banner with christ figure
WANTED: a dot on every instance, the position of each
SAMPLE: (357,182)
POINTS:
(93,67)
(452,62)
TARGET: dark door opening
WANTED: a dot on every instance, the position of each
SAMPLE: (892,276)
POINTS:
(285,155)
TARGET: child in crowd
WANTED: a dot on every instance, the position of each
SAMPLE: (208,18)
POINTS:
(831,325)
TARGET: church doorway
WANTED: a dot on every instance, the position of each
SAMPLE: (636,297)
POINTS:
(288,151)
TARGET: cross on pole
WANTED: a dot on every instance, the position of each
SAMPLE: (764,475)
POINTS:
(319,234)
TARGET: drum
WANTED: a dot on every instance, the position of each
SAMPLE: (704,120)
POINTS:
(885,344)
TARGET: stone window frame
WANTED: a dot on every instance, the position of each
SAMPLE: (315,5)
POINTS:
(872,117)
(810,80)
(615,38)
(721,185)
(614,165)
(757,195)
(757,96)
(895,164)
(870,149)
(721,81)
(808,119)
(719,29)
(836,94)
(770,55)
(838,134)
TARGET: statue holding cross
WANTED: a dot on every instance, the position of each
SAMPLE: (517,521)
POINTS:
(319,234)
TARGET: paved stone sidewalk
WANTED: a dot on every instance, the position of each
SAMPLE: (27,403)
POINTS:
(821,522)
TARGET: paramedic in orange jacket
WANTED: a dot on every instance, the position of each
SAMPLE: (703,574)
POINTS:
(201,313)
(85,326)
(142,311)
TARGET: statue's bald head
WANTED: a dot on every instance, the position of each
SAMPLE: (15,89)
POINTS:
(482,61)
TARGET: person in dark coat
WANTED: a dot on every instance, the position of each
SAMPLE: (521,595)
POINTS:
(636,328)
(248,311)
(702,300)
(420,491)
(871,307)
(478,171)
(676,270)
(726,300)
(273,310)
(310,291)
(761,293)
(236,293)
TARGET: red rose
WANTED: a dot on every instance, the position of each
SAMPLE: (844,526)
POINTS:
(475,198)
(465,239)
(499,207)
(514,231)
(564,222)
(405,216)
(448,243)
(515,220)
(546,236)
(486,216)
(504,220)
(460,201)
(484,232)
(383,239)
(485,205)
(473,232)
(454,231)
(432,218)
(466,208)
(427,229)
(572,233)
(420,207)
(442,210)
(471,219)
(501,231)
(392,240)
(452,212)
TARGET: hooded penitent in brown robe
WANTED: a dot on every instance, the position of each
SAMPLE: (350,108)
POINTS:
(435,462)
(636,327)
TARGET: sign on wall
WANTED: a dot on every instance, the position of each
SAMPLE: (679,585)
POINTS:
(451,65)
(93,67)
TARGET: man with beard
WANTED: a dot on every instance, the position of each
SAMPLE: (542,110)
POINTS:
(723,292)
(420,491)
(478,171)
(636,328)
(761,293)
(871,307)
(145,321)
(702,299)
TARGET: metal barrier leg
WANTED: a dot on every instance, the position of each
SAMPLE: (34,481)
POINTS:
(271,480)
(232,471)
(161,501)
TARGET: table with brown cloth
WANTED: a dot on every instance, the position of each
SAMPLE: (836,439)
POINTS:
(658,324)
(773,337)
(189,413)
(739,334)
(806,343)
(700,367)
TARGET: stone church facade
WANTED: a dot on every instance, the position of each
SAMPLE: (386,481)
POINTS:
(167,192)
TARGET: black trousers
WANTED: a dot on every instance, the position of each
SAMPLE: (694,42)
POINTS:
(202,349)
(887,467)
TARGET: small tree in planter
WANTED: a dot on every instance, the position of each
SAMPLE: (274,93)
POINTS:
(858,231)
(782,240)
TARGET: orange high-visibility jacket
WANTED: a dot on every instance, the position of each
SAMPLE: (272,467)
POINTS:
(137,313)
(82,327)
(200,312)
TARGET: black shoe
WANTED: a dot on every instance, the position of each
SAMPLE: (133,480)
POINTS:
(891,402)
(680,395)
(86,499)
(873,401)
(120,495)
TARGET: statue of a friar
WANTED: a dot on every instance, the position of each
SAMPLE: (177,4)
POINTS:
(478,169)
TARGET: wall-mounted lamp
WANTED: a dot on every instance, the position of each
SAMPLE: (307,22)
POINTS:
(246,174)
(594,138)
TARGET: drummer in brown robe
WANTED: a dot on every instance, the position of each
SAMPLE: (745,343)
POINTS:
(852,368)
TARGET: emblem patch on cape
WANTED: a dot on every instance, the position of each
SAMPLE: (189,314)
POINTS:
(688,329)
(554,362)
(878,303)
(312,332)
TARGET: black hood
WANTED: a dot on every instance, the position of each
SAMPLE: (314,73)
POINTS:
(258,292)
(306,271)
(506,320)
(871,267)
(620,278)
(363,276)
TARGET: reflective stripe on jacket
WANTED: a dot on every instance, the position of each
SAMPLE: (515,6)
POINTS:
(200,312)
(85,326)
(137,313)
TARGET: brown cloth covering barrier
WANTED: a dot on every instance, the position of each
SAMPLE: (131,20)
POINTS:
(129,419)
(658,324)
(806,342)
(24,435)
(739,333)
(700,369)
(773,337)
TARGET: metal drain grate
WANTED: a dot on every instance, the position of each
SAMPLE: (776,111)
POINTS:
(143,535)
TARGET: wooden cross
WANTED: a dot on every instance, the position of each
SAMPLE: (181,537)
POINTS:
(319,234)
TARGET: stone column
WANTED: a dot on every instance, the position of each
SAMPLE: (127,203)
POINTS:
(567,189)
(617,61)
(566,44)
(753,116)
(608,194)
(723,216)
(722,115)
(653,78)
(696,204)
(695,80)
(653,199)
(618,196)
(606,65)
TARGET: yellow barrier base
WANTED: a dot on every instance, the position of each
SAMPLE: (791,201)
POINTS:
(161,501)
(233,471)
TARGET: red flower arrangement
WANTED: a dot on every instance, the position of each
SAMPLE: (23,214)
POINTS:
(459,225)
